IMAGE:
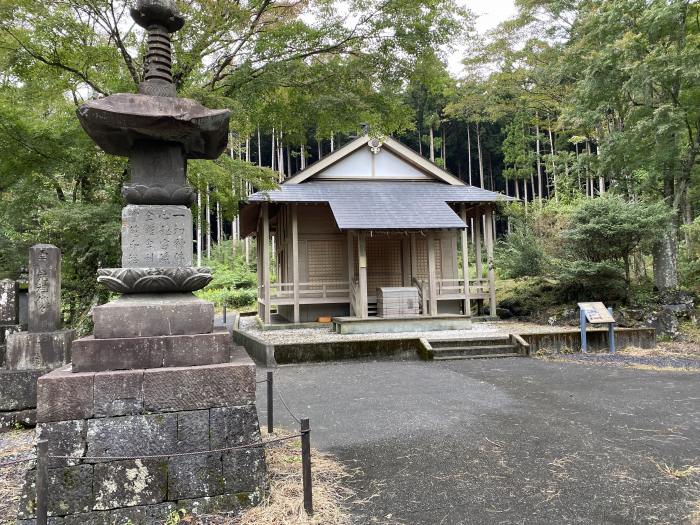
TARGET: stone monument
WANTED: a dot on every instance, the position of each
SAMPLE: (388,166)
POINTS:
(44,347)
(156,377)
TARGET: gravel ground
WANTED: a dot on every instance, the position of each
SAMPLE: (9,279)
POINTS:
(13,446)
(619,358)
(318,335)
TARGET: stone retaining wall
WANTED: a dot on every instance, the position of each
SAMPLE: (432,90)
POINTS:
(412,348)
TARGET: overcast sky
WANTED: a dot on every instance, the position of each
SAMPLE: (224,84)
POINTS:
(489,14)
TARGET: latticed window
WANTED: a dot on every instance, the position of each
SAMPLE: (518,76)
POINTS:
(383,263)
(421,270)
(325,260)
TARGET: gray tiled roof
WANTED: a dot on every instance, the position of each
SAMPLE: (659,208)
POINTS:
(384,205)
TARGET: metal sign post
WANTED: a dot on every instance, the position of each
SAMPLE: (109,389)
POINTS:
(596,313)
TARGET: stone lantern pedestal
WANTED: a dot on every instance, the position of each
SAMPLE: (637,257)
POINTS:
(156,400)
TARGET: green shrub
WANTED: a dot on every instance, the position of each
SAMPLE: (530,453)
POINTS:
(588,281)
(520,254)
(240,298)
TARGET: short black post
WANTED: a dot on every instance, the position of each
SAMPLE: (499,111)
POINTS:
(224,314)
(42,482)
(306,465)
(270,402)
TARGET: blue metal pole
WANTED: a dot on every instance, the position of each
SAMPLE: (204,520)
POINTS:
(582,320)
(611,333)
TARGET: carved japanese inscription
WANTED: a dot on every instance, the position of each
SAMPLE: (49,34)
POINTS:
(156,236)
(44,288)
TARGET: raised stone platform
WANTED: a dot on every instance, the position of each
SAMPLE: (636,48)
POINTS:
(97,355)
(148,412)
(417,323)
(146,315)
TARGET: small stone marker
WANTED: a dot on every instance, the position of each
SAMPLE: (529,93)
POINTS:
(156,236)
(44,288)
(9,302)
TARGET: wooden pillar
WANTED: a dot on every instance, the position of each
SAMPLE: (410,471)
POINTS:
(351,272)
(477,248)
(267,315)
(414,257)
(489,262)
(432,275)
(295,262)
(406,260)
(362,273)
(465,263)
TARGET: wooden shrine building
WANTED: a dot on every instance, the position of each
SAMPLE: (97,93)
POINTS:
(373,215)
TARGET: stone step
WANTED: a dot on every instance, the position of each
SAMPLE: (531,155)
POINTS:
(465,343)
(484,356)
(474,350)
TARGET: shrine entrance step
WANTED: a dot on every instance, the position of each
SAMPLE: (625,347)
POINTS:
(475,348)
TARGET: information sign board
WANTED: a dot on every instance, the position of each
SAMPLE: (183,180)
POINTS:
(596,313)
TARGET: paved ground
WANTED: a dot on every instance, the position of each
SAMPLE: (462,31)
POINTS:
(505,441)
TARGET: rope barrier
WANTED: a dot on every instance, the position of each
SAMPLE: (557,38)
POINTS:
(279,394)
(178,454)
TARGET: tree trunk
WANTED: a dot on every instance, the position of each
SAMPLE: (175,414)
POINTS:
(525,193)
(432,144)
(481,160)
(259,149)
(469,153)
(280,157)
(420,144)
(273,152)
(332,143)
(199,227)
(208,224)
(554,166)
(219,229)
(665,261)
(442,149)
(289,161)
(539,161)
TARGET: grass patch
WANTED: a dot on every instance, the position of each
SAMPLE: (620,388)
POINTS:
(678,473)
(283,503)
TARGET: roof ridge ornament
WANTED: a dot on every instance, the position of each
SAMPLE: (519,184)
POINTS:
(375,145)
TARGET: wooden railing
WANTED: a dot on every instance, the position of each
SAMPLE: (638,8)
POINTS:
(454,288)
(325,290)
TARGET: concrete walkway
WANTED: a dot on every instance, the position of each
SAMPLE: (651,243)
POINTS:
(503,441)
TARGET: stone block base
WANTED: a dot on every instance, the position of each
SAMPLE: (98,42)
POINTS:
(65,395)
(97,355)
(146,315)
(18,389)
(28,350)
(161,412)
(7,329)
(17,418)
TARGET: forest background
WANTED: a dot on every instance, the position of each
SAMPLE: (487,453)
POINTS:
(587,111)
